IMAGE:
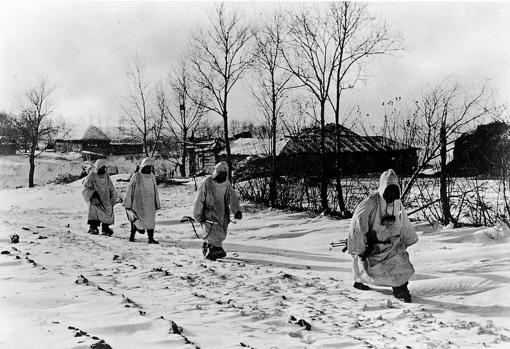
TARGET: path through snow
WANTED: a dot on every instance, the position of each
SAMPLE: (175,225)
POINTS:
(280,287)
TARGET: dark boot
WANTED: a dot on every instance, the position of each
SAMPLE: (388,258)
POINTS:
(150,235)
(402,293)
(105,230)
(205,247)
(361,286)
(210,252)
(215,253)
(133,233)
(220,253)
(93,227)
(210,255)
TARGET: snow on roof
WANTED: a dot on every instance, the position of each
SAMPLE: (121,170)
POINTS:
(350,142)
(95,133)
(254,146)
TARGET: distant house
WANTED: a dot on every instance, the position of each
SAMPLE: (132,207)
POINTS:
(95,143)
(7,147)
(202,154)
(245,148)
(93,140)
(483,151)
(7,135)
(300,155)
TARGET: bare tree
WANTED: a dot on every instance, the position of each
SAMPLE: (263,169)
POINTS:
(187,109)
(358,36)
(157,126)
(35,124)
(138,107)
(311,54)
(301,113)
(220,59)
(272,82)
(440,115)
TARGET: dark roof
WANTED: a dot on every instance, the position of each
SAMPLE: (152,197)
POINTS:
(496,129)
(329,128)
(94,133)
(350,142)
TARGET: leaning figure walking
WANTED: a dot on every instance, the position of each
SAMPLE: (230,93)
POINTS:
(100,194)
(215,199)
(142,201)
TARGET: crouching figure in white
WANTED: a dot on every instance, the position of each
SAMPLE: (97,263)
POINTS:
(379,235)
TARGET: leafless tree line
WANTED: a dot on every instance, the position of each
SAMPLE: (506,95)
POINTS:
(300,63)
(432,124)
(316,50)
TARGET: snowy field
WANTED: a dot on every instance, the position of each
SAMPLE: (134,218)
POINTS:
(279,287)
(14,168)
(49,165)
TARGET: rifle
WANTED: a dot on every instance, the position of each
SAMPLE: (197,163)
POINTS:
(341,243)
(371,242)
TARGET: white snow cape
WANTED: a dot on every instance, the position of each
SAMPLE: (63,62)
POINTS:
(143,199)
(388,264)
(100,208)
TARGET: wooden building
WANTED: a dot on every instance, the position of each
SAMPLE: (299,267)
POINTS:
(246,148)
(483,151)
(95,141)
(202,154)
(301,156)
(7,147)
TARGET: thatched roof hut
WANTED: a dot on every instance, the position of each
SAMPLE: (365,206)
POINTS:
(94,133)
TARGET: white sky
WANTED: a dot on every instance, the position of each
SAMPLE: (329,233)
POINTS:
(84,47)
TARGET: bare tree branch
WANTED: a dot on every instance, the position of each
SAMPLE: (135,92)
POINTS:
(34,123)
(143,106)
(219,60)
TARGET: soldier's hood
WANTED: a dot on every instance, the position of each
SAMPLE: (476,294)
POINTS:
(146,162)
(221,166)
(388,177)
(100,163)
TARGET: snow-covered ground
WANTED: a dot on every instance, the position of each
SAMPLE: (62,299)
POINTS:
(280,287)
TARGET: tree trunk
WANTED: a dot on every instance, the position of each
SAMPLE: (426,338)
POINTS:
(183,163)
(505,178)
(272,184)
(31,159)
(445,200)
(324,177)
(225,121)
(339,189)
(145,147)
(227,143)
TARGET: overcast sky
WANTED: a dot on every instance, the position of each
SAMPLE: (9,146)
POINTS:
(84,47)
